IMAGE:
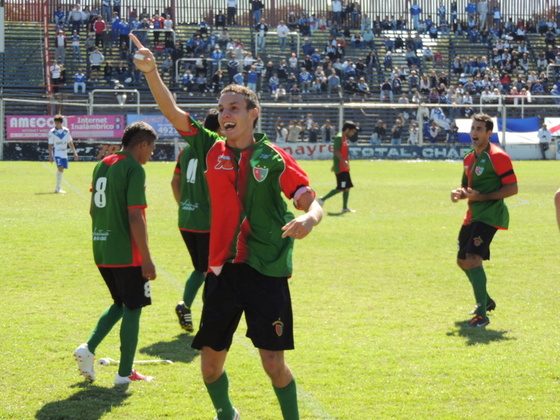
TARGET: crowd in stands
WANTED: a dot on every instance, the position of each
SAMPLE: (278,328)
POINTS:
(103,35)
(322,69)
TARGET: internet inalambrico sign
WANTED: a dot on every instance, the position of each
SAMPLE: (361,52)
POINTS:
(36,127)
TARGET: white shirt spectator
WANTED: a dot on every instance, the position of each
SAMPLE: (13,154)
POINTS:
(336,6)
(544,135)
(282,30)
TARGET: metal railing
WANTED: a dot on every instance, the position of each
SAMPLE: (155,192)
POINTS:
(92,105)
(193,12)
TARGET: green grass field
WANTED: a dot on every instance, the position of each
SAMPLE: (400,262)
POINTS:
(379,305)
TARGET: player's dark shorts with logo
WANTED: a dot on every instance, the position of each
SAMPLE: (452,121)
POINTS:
(127,286)
(475,238)
(198,244)
(343,181)
(265,300)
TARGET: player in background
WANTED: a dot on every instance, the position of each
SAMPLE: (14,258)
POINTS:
(59,141)
(557,206)
(341,166)
(251,237)
(488,178)
(191,193)
(120,248)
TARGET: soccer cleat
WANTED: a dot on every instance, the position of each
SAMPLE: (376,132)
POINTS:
(348,211)
(85,359)
(320,201)
(490,306)
(59,191)
(236,415)
(185,317)
(134,376)
(479,321)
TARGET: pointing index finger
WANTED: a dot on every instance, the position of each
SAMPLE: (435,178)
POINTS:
(136,41)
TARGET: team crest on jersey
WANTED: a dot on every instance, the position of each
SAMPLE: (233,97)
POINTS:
(260,173)
(278,327)
(478,170)
(224,162)
(477,241)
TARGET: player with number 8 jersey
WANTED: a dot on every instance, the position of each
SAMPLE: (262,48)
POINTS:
(120,248)
(118,184)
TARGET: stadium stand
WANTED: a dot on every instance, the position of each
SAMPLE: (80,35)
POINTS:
(429,56)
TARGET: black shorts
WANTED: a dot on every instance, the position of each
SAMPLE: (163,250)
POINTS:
(475,238)
(127,286)
(265,300)
(198,244)
(343,181)
(96,68)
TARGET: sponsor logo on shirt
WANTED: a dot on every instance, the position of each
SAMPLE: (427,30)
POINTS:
(224,162)
(188,206)
(100,235)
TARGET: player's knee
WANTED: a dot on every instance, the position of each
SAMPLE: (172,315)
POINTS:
(211,372)
(472,261)
(273,365)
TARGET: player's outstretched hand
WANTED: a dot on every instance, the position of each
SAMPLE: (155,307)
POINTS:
(298,228)
(144,60)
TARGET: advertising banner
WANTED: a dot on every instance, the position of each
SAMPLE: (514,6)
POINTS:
(320,151)
(161,124)
(36,127)
(165,151)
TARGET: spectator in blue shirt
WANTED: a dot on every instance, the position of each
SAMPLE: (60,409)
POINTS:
(124,30)
(415,11)
(253,78)
(233,68)
(188,81)
(217,57)
(238,79)
(555,94)
(307,47)
(115,29)
(305,79)
(80,81)
(429,22)
(59,16)
(333,83)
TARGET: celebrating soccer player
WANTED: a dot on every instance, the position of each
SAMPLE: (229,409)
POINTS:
(251,236)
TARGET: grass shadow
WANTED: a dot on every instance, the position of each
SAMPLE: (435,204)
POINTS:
(90,403)
(330,213)
(177,350)
(478,335)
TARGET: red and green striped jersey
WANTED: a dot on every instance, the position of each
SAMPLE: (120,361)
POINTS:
(487,173)
(248,210)
(340,143)
(118,184)
(194,208)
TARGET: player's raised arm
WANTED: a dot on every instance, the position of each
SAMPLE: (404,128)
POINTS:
(146,63)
